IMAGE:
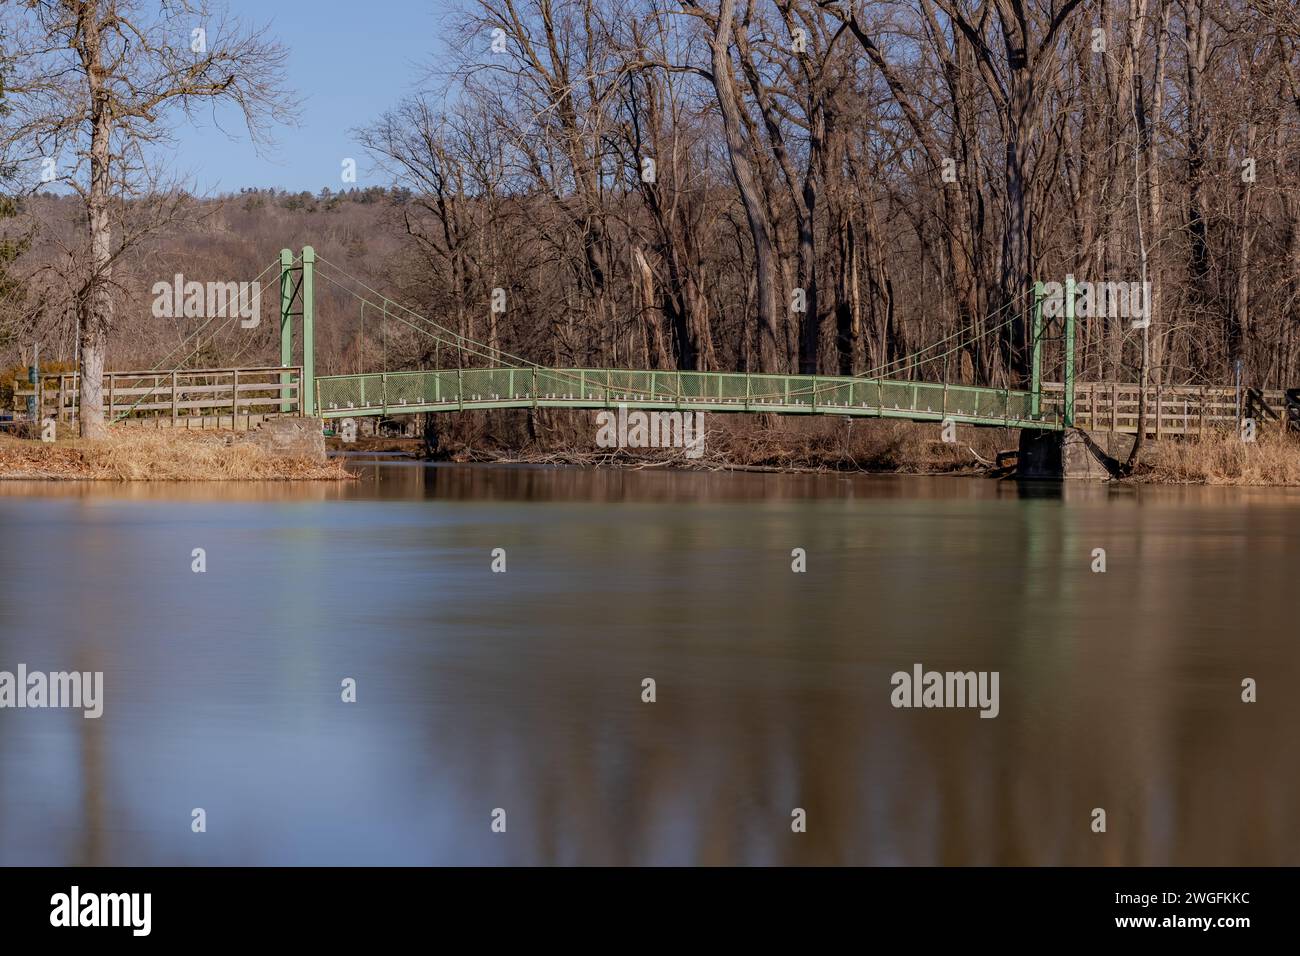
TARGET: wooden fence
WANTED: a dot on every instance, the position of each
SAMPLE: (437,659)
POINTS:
(186,398)
(1171,409)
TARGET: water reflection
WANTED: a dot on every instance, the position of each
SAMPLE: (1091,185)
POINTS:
(522,691)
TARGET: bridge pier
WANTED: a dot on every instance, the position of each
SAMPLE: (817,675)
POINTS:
(1071,453)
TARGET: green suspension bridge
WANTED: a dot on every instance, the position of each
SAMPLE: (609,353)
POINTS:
(499,380)
(510,382)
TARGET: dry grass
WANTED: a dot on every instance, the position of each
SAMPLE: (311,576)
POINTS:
(1224,459)
(139,455)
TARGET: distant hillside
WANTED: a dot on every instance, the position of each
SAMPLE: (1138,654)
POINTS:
(226,239)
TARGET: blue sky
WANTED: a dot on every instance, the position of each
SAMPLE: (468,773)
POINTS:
(349,61)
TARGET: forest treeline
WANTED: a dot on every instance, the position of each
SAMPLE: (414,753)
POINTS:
(781,185)
(904,171)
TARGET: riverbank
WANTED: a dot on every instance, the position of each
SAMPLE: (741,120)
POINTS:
(1223,459)
(163,455)
(733,443)
(795,444)
(748,443)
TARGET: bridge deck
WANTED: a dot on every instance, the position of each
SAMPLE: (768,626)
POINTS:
(343,396)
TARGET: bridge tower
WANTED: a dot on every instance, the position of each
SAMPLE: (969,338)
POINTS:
(1069,351)
(298,287)
(1036,369)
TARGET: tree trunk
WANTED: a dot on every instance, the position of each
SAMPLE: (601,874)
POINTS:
(743,171)
(847,322)
(1196,34)
(1016,253)
(96,304)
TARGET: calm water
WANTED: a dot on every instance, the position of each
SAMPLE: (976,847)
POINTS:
(522,690)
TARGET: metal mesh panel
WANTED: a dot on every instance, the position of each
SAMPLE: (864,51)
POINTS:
(732,388)
(767,389)
(665,386)
(339,392)
(791,391)
(962,401)
(594,384)
(930,398)
(545,383)
(363,391)
(571,383)
(895,395)
(688,384)
(370,390)
(922,398)
(629,386)
(485,384)
(1021,404)
(866,393)
(446,388)
(835,392)
(406,388)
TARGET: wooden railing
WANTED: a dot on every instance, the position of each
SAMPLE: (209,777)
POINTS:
(1171,409)
(182,398)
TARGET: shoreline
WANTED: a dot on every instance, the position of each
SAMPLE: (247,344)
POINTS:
(786,445)
(146,455)
(799,448)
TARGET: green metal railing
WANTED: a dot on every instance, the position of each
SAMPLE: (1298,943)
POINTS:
(341,396)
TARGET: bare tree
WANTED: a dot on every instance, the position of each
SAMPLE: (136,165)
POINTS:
(742,152)
(99,85)
(1016,72)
